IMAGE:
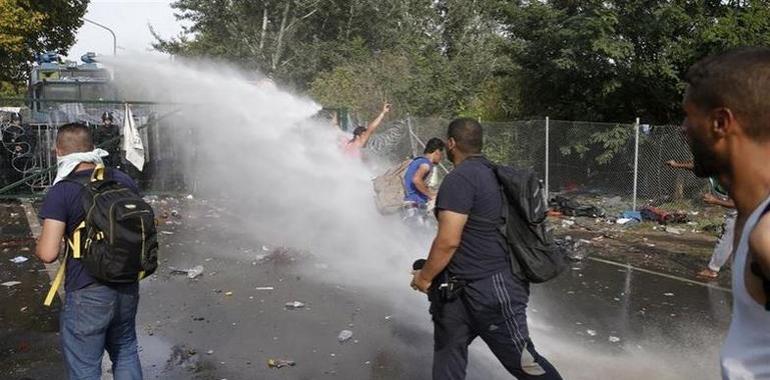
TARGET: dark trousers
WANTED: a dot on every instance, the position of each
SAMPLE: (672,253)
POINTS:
(495,310)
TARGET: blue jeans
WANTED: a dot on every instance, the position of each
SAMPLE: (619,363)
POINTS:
(98,318)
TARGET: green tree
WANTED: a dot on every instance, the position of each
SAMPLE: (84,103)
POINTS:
(615,60)
(30,27)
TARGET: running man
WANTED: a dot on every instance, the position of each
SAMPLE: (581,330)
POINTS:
(417,193)
(727,123)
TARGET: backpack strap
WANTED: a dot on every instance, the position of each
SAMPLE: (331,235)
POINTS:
(74,242)
(57,280)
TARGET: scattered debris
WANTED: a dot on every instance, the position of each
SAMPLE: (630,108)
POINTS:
(280,363)
(184,357)
(190,197)
(210,352)
(591,332)
(614,339)
(576,250)
(10,283)
(191,273)
(663,217)
(19,259)
(294,305)
(570,207)
(228,293)
(166,232)
(673,230)
(280,255)
(265,288)
(636,215)
(668,294)
(344,336)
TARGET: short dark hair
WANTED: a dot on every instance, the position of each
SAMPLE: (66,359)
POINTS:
(468,135)
(74,138)
(433,145)
(359,131)
(738,79)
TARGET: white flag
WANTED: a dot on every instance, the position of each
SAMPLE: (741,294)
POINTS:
(132,141)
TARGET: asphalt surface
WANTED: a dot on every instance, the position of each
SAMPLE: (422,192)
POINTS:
(596,321)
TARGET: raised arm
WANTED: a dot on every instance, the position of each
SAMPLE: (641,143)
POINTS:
(374,125)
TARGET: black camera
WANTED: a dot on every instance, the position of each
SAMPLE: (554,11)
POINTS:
(444,288)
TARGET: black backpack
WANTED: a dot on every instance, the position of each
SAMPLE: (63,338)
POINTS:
(534,254)
(118,239)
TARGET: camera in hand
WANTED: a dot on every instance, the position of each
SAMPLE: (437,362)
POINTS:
(418,264)
(444,288)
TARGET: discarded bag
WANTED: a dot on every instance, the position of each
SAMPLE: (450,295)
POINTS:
(655,214)
(570,207)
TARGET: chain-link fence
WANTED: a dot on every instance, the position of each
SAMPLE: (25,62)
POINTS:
(607,164)
(28,135)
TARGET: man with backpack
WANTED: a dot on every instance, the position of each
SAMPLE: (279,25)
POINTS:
(469,274)
(108,249)
(417,194)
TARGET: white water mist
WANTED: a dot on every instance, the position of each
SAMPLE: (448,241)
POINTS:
(287,183)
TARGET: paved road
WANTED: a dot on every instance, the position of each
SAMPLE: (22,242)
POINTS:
(597,321)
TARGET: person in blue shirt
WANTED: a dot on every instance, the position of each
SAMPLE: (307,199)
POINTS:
(417,193)
(95,316)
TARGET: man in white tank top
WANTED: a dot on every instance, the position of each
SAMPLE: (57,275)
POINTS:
(727,122)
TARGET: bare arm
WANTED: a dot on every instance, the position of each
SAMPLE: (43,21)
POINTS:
(712,200)
(689,165)
(450,230)
(374,125)
(419,180)
(50,240)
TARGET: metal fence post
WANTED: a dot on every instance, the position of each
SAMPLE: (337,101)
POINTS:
(547,137)
(412,144)
(636,159)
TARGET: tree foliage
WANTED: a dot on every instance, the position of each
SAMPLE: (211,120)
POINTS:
(592,60)
(30,27)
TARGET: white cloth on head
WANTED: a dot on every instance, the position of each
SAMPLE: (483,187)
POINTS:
(66,164)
